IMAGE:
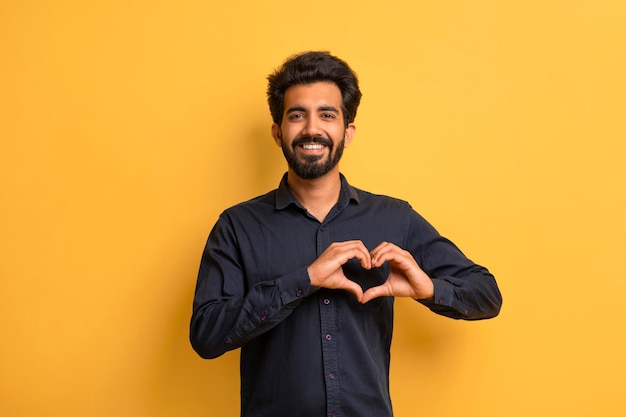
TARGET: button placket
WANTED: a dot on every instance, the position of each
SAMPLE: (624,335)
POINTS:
(328,328)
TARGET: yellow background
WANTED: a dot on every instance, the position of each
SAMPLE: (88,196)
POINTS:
(126,127)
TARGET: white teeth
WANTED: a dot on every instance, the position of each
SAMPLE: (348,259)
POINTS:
(312,146)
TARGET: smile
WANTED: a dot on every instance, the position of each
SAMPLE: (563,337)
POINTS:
(312,146)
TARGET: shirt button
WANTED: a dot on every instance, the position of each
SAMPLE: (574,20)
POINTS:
(263,318)
(328,337)
(333,415)
(331,376)
(299,293)
(323,228)
(326,301)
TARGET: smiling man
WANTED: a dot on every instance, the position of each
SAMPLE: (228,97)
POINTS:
(303,278)
(311,121)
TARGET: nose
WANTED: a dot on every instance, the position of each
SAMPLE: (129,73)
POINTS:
(312,127)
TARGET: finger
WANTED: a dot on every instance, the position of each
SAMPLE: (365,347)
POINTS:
(366,259)
(355,249)
(374,292)
(386,252)
(354,288)
(396,256)
(375,254)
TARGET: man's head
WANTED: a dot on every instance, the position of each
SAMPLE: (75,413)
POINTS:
(312,67)
(313,98)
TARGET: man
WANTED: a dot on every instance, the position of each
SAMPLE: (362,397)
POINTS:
(303,279)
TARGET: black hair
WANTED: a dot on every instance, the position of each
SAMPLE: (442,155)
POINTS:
(312,67)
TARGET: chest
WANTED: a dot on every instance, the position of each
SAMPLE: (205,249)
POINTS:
(284,242)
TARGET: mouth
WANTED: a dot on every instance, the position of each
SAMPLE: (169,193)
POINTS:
(312,144)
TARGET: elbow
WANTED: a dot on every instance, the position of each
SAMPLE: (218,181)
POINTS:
(496,302)
(204,344)
(206,352)
(492,312)
(211,330)
(490,302)
(483,306)
(497,308)
(492,306)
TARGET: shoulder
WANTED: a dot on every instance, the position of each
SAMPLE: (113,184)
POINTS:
(368,198)
(388,206)
(261,204)
(263,200)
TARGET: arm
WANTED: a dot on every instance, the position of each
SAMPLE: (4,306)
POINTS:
(462,289)
(437,274)
(227,314)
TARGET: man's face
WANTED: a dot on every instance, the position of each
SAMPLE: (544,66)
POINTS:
(312,134)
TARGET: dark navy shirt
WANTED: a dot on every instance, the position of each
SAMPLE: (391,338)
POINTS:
(308,351)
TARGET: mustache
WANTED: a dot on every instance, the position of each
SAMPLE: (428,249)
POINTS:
(312,139)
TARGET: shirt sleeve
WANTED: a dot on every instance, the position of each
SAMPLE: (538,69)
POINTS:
(463,289)
(227,314)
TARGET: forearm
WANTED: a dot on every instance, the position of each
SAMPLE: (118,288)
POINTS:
(227,322)
(474,296)
(462,288)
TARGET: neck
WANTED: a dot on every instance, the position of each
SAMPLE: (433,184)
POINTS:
(318,195)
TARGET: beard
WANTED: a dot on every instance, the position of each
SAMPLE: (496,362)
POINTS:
(310,167)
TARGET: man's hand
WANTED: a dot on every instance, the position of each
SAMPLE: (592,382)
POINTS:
(406,278)
(326,271)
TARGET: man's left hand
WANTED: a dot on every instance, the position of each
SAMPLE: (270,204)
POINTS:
(406,278)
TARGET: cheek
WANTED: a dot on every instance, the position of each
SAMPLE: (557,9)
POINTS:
(289,134)
(339,133)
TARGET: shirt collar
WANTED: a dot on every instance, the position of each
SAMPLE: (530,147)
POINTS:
(284,197)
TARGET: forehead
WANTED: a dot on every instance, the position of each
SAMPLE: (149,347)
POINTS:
(314,94)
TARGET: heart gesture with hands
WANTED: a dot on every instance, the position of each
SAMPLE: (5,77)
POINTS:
(406,278)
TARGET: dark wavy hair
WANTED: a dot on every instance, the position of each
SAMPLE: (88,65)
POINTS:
(308,68)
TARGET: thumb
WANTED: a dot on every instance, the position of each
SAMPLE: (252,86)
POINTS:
(374,292)
(354,288)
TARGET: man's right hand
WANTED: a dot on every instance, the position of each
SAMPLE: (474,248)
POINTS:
(326,271)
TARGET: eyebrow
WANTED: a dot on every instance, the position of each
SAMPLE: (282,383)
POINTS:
(319,109)
(328,108)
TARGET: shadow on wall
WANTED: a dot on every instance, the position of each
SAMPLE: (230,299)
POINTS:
(182,382)
(269,163)
(429,336)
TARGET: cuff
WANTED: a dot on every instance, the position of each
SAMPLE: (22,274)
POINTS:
(295,286)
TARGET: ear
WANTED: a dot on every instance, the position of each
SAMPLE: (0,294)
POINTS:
(276,134)
(350,133)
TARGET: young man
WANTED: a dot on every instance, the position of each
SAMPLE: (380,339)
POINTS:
(303,279)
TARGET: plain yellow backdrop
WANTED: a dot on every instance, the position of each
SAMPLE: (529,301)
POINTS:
(126,127)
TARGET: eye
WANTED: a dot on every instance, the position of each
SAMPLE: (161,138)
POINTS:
(296,116)
(328,116)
